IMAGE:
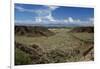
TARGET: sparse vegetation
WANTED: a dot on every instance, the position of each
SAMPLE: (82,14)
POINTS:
(22,58)
(52,45)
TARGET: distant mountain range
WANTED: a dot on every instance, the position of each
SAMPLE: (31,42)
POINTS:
(57,25)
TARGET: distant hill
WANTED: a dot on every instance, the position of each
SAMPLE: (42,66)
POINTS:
(83,29)
(32,31)
(57,25)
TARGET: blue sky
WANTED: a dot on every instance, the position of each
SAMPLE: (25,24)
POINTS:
(48,14)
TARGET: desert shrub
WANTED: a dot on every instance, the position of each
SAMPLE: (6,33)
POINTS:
(34,54)
(39,51)
(43,59)
(58,55)
(21,58)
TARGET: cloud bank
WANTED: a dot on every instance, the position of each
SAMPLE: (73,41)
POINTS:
(45,16)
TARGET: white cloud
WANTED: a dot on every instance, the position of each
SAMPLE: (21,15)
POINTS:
(91,19)
(78,20)
(23,21)
(43,21)
(38,19)
(70,19)
(88,22)
(66,20)
(52,7)
(50,17)
(20,8)
(46,16)
(42,14)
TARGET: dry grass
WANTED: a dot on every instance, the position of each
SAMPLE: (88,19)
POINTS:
(63,41)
